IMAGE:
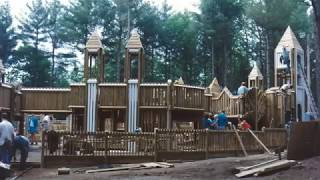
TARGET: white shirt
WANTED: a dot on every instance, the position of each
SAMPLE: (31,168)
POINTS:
(6,131)
(46,122)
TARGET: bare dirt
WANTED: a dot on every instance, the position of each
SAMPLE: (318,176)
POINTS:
(220,168)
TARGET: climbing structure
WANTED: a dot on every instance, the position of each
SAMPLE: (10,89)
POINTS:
(290,67)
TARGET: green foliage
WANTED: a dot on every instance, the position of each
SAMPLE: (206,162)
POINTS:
(7,34)
(221,41)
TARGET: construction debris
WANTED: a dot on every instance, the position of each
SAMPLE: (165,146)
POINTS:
(134,167)
(264,168)
(62,171)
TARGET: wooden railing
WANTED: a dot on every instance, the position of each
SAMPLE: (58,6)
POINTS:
(232,105)
(113,95)
(163,144)
(188,97)
(153,95)
(77,95)
(5,96)
(45,99)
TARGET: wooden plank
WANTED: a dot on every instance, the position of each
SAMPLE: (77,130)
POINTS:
(113,169)
(273,166)
(240,141)
(245,168)
(258,140)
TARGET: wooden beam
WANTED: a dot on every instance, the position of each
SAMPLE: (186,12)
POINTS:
(45,110)
(260,142)
(189,109)
(112,107)
(153,107)
(240,141)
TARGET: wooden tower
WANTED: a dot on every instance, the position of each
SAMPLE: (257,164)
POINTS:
(134,62)
(255,78)
(290,72)
(94,59)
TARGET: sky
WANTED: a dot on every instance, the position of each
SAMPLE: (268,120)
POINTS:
(18,6)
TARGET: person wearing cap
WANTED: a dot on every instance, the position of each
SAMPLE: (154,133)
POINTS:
(242,89)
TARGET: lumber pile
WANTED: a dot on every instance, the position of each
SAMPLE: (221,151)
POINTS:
(134,167)
(264,168)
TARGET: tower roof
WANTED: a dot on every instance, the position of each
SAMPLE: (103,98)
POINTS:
(214,86)
(289,40)
(2,69)
(134,41)
(255,72)
(94,43)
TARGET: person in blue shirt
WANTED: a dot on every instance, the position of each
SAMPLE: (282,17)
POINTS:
(21,143)
(222,120)
(208,122)
(33,124)
(243,89)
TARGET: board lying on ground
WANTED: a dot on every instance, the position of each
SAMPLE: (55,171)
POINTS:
(264,168)
(134,167)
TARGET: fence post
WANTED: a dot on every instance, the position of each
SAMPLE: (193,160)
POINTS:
(42,150)
(106,156)
(206,144)
(155,145)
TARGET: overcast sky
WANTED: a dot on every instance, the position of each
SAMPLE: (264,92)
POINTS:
(18,6)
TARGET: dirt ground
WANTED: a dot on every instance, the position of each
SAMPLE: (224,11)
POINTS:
(220,168)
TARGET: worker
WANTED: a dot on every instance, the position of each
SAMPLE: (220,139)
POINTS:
(222,120)
(242,89)
(244,125)
(6,139)
(21,143)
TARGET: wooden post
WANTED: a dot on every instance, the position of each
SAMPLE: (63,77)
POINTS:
(169,115)
(106,155)
(12,103)
(43,165)
(206,144)
(256,108)
(240,141)
(155,145)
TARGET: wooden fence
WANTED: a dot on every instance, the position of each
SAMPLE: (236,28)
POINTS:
(122,147)
(232,105)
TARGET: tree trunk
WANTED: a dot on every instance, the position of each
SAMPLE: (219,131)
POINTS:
(119,55)
(226,64)
(268,60)
(53,62)
(316,9)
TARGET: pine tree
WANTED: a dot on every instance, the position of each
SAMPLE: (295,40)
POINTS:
(8,39)
(31,54)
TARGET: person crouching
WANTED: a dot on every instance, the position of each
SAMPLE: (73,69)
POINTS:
(21,143)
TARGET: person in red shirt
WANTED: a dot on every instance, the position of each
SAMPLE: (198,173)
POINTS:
(244,125)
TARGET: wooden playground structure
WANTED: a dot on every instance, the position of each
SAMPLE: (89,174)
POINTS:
(95,105)
(101,118)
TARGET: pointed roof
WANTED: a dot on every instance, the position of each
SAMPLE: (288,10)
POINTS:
(214,86)
(94,43)
(2,69)
(179,81)
(255,72)
(289,40)
(134,41)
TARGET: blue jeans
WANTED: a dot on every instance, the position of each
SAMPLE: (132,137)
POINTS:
(5,154)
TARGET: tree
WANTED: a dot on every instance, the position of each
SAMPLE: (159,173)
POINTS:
(8,39)
(316,10)
(33,59)
(219,18)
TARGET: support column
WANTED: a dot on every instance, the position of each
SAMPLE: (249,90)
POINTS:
(91,105)
(132,105)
